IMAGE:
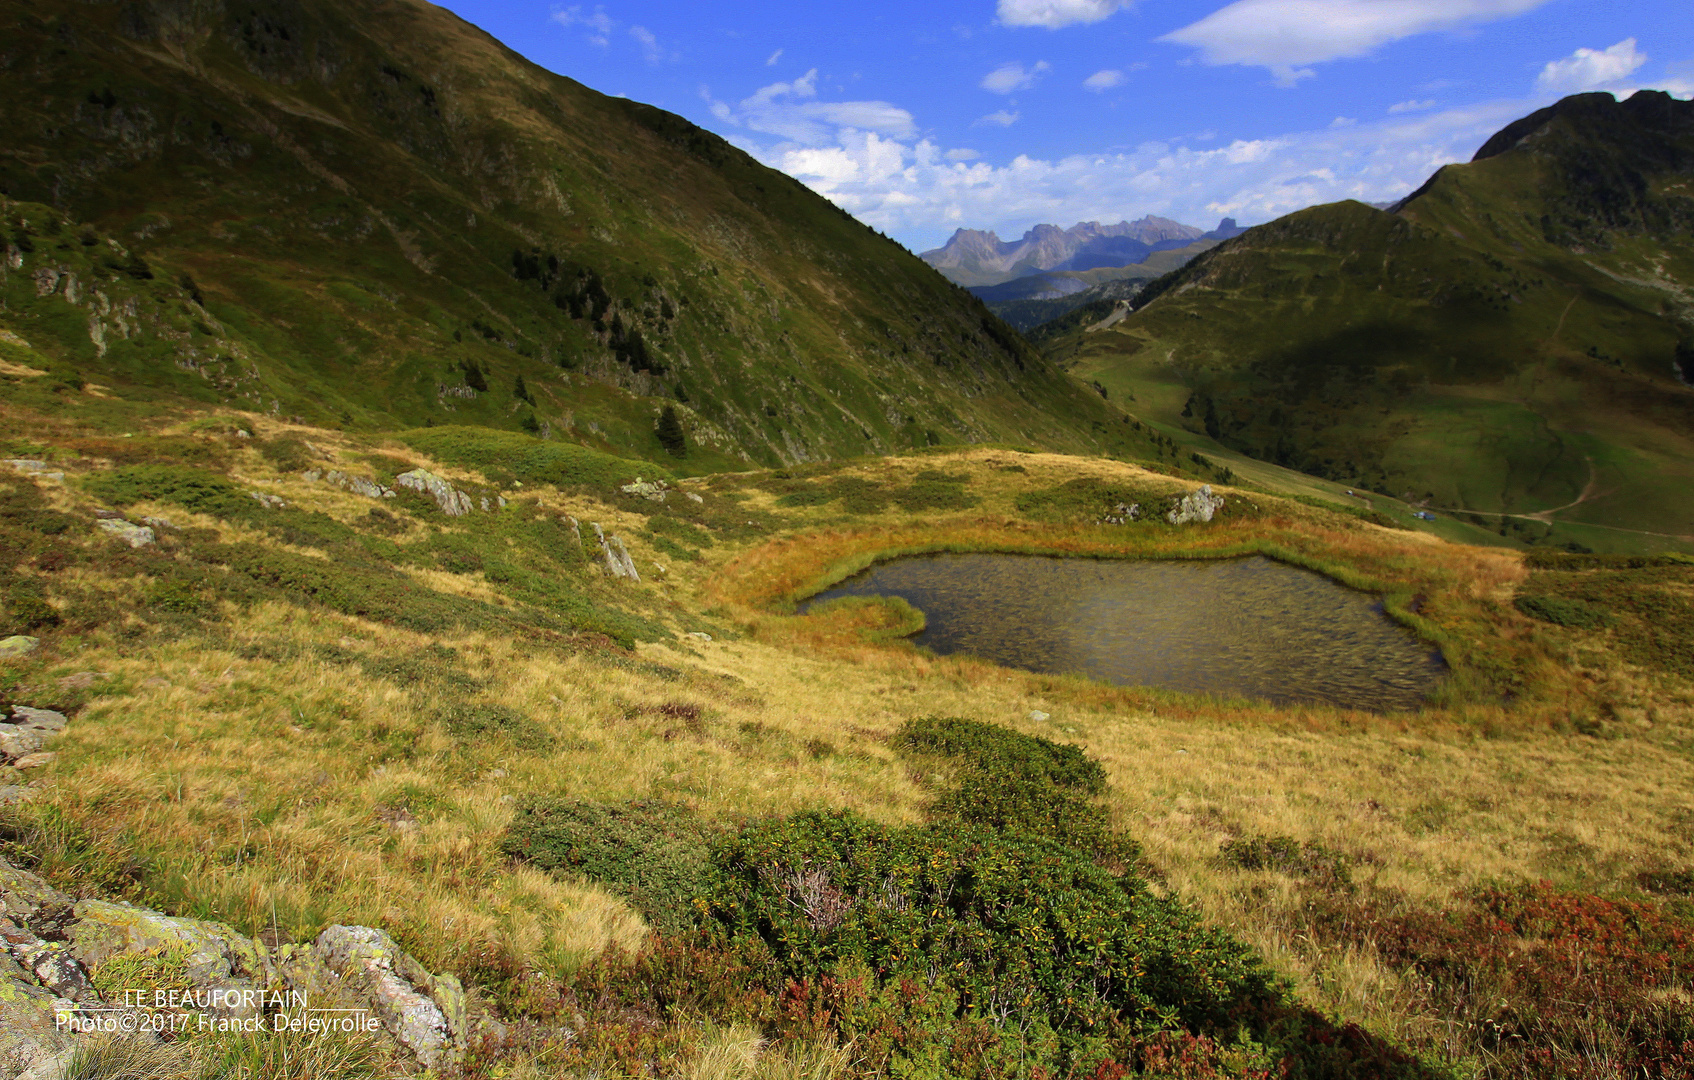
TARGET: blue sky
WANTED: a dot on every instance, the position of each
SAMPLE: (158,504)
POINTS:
(920,118)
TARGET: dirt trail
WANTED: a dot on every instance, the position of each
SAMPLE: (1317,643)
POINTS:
(1588,492)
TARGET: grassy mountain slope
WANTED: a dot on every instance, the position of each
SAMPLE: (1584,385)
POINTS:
(464,731)
(1516,337)
(374,214)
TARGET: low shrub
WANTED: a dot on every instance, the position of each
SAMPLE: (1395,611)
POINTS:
(1088,499)
(1000,750)
(807,496)
(654,853)
(932,495)
(1565,612)
(287,454)
(917,933)
(191,488)
(527,458)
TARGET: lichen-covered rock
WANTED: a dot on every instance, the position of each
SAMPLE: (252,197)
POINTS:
(45,721)
(18,645)
(16,742)
(453,502)
(23,895)
(267,500)
(130,533)
(28,1034)
(653,490)
(216,958)
(1196,506)
(373,963)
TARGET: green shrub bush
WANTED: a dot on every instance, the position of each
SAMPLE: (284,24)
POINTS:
(932,495)
(527,458)
(999,750)
(1562,611)
(654,853)
(1005,928)
(191,488)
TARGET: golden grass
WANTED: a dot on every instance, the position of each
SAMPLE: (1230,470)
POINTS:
(268,782)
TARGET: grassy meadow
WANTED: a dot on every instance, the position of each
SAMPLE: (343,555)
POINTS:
(345,710)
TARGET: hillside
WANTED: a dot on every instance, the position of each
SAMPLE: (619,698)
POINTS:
(1512,339)
(375,215)
(589,823)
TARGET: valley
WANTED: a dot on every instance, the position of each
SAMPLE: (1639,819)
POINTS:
(495,561)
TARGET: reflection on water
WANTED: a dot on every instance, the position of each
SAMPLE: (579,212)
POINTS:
(1243,627)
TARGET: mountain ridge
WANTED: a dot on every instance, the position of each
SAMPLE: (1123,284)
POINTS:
(979,258)
(1504,342)
(376,214)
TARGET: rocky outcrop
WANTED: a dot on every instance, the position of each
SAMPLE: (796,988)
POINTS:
(24,735)
(453,502)
(651,490)
(616,555)
(52,948)
(397,988)
(358,485)
(133,535)
(1198,505)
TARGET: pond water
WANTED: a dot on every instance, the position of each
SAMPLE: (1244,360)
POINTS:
(1250,627)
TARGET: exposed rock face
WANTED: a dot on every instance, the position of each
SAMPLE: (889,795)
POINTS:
(18,645)
(133,535)
(453,502)
(1196,506)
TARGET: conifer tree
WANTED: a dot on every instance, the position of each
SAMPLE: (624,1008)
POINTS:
(669,431)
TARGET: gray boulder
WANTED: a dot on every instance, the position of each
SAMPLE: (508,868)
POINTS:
(133,535)
(18,645)
(1196,506)
(15,741)
(43,720)
(453,502)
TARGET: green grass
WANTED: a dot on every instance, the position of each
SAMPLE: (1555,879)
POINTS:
(1441,356)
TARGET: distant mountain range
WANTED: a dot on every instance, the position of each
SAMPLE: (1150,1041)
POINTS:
(973,257)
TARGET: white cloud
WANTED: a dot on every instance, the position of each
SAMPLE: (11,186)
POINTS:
(786,110)
(1286,35)
(775,56)
(1411,106)
(1103,80)
(1009,77)
(1590,69)
(961,155)
(1053,14)
(1001,118)
(1343,121)
(649,44)
(599,24)
(921,192)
